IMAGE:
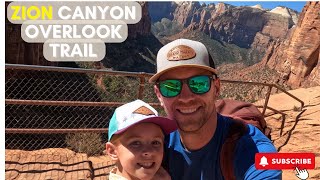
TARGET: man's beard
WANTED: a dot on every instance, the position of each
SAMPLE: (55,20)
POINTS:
(191,125)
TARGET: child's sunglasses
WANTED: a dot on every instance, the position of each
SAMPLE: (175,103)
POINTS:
(197,84)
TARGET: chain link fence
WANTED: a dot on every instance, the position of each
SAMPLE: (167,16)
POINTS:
(57,118)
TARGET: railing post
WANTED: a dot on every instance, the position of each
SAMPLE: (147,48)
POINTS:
(267,100)
(141,87)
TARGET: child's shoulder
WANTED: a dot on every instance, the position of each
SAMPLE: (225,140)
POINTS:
(114,176)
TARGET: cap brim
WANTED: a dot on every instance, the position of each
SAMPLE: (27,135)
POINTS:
(155,77)
(167,125)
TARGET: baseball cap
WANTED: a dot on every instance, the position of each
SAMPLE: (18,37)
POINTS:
(136,112)
(182,53)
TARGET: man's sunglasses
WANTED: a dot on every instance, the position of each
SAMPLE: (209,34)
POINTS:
(197,84)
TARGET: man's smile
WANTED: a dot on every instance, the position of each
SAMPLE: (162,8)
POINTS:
(188,110)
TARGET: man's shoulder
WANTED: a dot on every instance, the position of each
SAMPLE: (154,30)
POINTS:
(256,137)
(254,141)
(249,136)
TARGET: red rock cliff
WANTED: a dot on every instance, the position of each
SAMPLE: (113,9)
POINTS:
(298,57)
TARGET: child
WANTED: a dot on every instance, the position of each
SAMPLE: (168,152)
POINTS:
(135,141)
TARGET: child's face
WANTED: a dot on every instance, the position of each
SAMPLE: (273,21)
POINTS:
(140,151)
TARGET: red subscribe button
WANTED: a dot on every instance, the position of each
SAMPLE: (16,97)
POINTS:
(285,160)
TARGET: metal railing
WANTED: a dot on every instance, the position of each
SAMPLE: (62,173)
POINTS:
(142,79)
(270,86)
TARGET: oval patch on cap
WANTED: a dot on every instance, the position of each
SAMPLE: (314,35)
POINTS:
(181,52)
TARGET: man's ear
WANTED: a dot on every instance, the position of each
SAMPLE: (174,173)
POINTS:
(216,84)
(157,92)
(112,151)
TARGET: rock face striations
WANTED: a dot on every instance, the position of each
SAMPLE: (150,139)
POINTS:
(246,27)
(237,25)
(297,58)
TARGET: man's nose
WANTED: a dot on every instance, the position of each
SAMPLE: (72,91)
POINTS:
(186,94)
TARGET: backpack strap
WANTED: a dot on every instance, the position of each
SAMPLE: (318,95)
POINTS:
(236,130)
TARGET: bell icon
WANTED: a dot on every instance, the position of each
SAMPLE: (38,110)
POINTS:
(263,161)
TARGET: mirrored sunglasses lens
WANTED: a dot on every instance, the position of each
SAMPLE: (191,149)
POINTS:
(199,84)
(170,88)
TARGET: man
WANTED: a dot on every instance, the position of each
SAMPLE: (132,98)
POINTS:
(187,87)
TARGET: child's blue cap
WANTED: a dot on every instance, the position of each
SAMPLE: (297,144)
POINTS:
(136,112)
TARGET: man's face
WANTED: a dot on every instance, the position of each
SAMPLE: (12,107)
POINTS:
(191,111)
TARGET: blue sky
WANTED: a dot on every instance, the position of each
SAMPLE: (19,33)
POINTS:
(296,5)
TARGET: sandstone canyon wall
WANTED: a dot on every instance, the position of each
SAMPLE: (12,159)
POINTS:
(251,28)
(297,58)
